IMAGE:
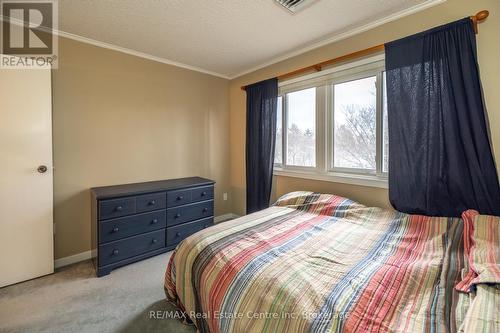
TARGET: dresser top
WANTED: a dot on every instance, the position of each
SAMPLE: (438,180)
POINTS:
(104,192)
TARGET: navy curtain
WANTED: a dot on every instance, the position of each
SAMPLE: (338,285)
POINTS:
(440,162)
(262,103)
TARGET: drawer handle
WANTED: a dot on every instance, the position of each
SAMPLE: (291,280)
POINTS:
(203,193)
(205,210)
(180,197)
(119,208)
(154,221)
(177,215)
(152,202)
(115,252)
(115,229)
(178,234)
(154,241)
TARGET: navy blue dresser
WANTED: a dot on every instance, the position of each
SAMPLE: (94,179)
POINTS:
(132,222)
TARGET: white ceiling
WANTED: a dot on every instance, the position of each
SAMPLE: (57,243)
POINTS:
(223,37)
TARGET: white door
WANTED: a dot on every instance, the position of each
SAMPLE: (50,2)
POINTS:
(26,231)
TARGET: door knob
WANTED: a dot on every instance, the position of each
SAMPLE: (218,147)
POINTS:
(42,169)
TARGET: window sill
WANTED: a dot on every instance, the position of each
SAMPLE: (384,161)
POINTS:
(335,177)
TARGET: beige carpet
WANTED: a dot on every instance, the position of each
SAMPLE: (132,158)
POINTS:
(74,300)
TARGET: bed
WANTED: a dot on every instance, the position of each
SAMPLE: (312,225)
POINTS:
(323,263)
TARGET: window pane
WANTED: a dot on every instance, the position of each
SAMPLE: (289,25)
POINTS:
(385,129)
(278,152)
(355,111)
(301,128)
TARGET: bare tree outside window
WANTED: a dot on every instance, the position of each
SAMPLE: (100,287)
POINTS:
(355,132)
(301,128)
(355,140)
(301,146)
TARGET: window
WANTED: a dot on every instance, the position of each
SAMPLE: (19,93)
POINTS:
(355,118)
(301,128)
(336,125)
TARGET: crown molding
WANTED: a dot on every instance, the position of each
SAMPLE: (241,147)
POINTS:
(117,48)
(296,52)
(337,37)
(137,53)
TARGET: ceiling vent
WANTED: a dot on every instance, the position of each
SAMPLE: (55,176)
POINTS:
(295,5)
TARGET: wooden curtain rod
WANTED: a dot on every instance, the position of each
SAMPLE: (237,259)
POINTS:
(478,18)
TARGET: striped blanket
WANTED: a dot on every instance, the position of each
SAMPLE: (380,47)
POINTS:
(322,263)
(482,280)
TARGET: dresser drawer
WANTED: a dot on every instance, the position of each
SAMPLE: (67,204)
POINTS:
(189,212)
(149,202)
(179,232)
(117,207)
(202,193)
(179,197)
(132,246)
(114,229)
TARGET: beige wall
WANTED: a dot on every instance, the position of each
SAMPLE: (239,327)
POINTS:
(488,53)
(119,119)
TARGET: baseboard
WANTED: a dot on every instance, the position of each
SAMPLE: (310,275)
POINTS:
(225,217)
(69,260)
(61,262)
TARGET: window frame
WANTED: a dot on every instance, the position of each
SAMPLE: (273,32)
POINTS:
(280,165)
(324,83)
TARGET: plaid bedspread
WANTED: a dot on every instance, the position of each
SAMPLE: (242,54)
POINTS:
(322,263)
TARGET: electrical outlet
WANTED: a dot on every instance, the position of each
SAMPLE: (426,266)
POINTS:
(224,196)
